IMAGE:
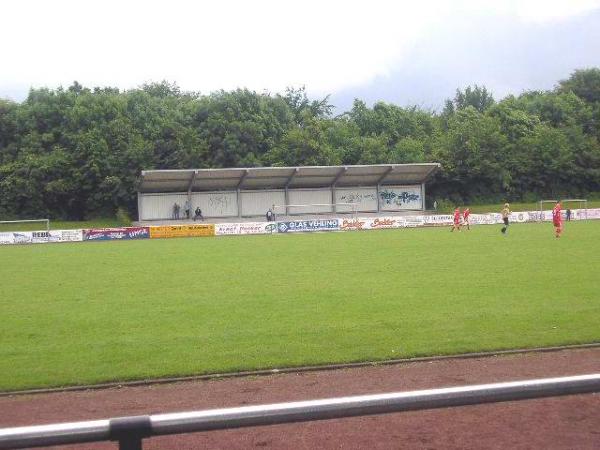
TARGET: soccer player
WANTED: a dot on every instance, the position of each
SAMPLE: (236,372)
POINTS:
(505,215)
(456,220)
(466,214)
(557,219)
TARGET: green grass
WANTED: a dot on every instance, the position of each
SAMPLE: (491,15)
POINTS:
(91,312)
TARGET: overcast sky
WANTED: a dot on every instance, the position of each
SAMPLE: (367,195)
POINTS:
(401,52)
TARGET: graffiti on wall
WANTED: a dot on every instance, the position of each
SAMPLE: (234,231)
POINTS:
(220,203)
(357,197)
(399,198)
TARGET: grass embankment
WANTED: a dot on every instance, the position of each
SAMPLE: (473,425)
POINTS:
(91,312)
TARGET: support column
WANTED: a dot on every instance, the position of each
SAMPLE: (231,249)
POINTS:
(287,194)
(139,205)
(287,202)
(389,170)
(239,194)
(336,179)
(423,196)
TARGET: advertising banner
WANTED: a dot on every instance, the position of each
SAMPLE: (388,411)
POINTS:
(593,213)
(352,224)
(372,223)
(21,237)
(438,220)
(482,219)
(258,228)
(415,221)
(379,223)
(173,231)
(41,237)
(225,229)
(308,225)
(109,234)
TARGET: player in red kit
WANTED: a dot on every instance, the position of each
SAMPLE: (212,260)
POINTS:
(557,219)
(466,214)
(456,220)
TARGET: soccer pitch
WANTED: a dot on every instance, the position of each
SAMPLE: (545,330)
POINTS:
(105,311)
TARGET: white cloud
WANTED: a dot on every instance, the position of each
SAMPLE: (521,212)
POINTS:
(263,44)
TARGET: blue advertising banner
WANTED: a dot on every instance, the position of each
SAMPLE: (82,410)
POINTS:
(109,234)
(308,225)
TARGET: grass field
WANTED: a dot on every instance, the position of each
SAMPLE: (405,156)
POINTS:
(91,312)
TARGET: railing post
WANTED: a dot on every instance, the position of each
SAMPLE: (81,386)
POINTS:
(129,431)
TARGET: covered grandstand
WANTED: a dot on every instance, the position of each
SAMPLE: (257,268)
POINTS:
(246,193)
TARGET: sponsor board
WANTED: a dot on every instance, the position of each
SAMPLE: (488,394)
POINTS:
(109,234)
(352,224)
(258,228)
(372,223)
(173,231)
(593,213)
(66,235)
(438,220)
(415,221)
(308,225)
(482,219)
(225,229)
(379,223)
(41,237)
(21,237)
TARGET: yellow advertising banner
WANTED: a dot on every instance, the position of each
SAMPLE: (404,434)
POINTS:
(171,231)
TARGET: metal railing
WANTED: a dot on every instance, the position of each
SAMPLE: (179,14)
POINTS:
(129,431)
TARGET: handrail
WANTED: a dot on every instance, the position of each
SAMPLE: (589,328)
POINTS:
(130,431)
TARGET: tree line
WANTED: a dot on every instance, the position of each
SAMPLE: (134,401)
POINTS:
(77,153)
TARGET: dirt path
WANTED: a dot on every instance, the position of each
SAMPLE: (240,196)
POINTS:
(571,422)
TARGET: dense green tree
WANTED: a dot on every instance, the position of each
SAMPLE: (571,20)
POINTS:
(78,152)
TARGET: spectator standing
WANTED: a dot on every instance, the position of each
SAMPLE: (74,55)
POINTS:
(188,208)
(176,211)
(198,214)
(568,215)
(269,215)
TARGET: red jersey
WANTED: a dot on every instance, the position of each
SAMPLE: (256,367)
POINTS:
(466,213)
(456,215)
(556,214)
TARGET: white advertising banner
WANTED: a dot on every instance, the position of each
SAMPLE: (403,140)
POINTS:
(397,198)
(228,229)
(41,237)
(439,220)
(593,213)
(372,223)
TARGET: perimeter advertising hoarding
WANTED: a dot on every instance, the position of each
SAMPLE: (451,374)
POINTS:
(224,229)
(41,237)
(372,223)
(173,231)
(308,225)
(110,234)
